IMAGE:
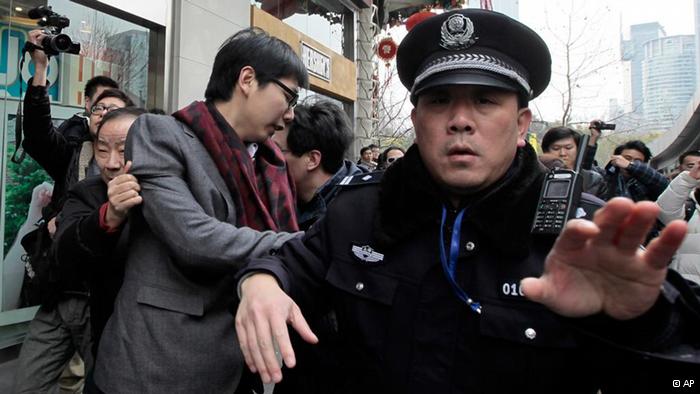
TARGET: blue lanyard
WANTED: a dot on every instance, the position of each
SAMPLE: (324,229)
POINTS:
(450,266)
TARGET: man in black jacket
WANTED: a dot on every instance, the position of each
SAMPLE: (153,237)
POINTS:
(314,145)
(58,151)
(450,292)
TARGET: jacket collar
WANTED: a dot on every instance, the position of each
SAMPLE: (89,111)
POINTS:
(410,201)
(310,212)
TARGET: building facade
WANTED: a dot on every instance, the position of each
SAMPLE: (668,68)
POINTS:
(633,52)
(668,80)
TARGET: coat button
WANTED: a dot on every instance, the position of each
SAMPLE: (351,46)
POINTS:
(530,333)
(359,286)
(470,246)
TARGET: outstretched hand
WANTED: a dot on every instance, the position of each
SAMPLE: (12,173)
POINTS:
(261,324)
(598,266)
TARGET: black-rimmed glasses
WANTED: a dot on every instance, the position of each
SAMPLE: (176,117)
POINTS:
(293,96)
(102,109)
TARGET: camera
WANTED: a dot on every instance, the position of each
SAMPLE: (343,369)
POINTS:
(600,125)
(55,42)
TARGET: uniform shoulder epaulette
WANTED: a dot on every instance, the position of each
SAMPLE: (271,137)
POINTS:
(367,178)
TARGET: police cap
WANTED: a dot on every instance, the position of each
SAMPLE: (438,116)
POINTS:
(474,47)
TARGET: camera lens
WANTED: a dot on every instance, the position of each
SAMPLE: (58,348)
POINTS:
(61,43)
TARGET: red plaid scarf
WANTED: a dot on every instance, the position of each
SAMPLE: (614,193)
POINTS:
(262,189)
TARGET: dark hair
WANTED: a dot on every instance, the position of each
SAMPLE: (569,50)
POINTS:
(372,146)
(685,154)
(636,145)
(558,133)
(323,126)
(270,57)
(523,101)
(100,80)
(157,111)
(134,112)
(383,157)
(116,93)
(365,149)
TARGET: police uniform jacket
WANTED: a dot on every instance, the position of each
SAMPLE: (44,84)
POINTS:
(401,327)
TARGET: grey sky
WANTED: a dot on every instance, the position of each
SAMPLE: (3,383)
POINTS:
(600,22)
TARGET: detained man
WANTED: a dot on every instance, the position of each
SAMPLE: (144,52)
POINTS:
(215,191)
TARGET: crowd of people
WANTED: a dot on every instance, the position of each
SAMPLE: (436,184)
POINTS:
(188,245)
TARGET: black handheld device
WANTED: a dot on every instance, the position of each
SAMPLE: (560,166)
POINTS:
(560,196)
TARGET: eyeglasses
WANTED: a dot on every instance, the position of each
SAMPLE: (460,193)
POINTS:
(102,109)
(293,96)
(391,159)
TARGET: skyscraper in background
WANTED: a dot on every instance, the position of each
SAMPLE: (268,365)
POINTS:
(633,52)
(669,74)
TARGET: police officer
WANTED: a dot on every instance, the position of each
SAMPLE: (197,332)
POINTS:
(450,292)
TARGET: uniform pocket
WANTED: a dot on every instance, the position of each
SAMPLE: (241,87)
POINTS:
(170,300)
(362,282)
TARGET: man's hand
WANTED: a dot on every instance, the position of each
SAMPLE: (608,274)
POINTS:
(41,61)
(598,266)
(595,132)
(619,161)
(261,324)
(44,197)
(123,192)
(51,227)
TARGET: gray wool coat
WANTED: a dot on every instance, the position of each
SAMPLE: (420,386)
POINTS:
(172,330)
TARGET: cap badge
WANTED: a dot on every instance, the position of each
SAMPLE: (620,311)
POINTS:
(456,33)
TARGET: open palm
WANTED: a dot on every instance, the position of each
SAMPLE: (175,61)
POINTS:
(598,266)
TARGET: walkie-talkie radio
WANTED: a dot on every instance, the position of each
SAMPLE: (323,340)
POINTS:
(560,196)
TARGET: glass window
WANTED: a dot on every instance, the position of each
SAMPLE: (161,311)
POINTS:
(323,20)
(110,47)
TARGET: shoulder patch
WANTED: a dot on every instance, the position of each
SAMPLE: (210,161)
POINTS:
(362,179)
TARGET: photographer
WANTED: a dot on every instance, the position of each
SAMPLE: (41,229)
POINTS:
(628,173)
(60,328)
(563,143)
(57,150)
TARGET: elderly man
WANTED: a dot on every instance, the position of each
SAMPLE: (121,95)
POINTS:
(91,231)
(450,292)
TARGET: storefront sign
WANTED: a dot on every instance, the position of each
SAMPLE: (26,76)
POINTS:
(317,63)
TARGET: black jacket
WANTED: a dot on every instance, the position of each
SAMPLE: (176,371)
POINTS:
(83,248)
(402,329)
(57,150)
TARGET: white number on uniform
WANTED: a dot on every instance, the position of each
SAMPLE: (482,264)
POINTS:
(512,289)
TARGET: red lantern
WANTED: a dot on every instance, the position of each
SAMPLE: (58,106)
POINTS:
(386,49)
(417,18)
